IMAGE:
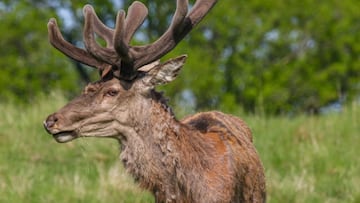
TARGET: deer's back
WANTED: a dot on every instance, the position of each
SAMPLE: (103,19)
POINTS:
(232,140)
(215,121)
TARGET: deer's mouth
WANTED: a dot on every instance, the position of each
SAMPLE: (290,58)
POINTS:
(64,136)
(60,136)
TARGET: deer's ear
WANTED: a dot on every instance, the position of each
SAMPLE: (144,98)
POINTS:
(164,72)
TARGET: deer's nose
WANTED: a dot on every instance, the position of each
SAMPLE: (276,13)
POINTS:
(51,121)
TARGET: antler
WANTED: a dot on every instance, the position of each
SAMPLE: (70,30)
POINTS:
(118,56)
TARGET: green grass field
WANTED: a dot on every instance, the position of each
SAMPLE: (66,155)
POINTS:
(307,159)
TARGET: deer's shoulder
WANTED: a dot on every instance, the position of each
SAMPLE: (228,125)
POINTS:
(218,122)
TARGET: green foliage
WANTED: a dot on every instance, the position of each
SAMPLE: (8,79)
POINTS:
(306,159)
(282,56)
(28,64)
(259,56)
(276,57)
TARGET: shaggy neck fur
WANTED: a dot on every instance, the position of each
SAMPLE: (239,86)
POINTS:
(155,155)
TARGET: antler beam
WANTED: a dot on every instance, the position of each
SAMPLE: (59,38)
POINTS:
(119,56)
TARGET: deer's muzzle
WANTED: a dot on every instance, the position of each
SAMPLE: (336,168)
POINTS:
(51,125)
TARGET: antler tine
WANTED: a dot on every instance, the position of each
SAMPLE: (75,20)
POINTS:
(58,41)
(106,55)
(120,46)
(102,30)
(199,10)
(180,14)
(118,56)
(135,57)
(136,15)
(124,31)
(181,25)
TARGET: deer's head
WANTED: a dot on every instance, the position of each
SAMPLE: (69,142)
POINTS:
(128,73)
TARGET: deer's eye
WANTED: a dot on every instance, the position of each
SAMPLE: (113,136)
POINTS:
(111,92)
(90,90)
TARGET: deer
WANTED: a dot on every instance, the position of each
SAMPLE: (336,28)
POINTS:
(206,157)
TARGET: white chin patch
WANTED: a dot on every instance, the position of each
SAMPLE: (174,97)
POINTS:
(64,137)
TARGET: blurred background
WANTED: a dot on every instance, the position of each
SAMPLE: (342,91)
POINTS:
(290,68)
(278,57)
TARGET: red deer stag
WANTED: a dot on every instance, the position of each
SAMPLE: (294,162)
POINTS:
(207,157)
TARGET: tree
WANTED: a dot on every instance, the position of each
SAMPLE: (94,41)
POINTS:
(279,56)
(28,64)
(272,56)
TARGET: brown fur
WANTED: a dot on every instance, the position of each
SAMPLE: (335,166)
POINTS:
(207,157)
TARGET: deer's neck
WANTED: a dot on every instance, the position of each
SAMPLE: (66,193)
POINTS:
(159,151)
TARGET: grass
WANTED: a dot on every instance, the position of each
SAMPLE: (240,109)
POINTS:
(307,159)
(311,158)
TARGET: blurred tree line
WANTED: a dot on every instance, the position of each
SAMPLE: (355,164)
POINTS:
(276,56)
